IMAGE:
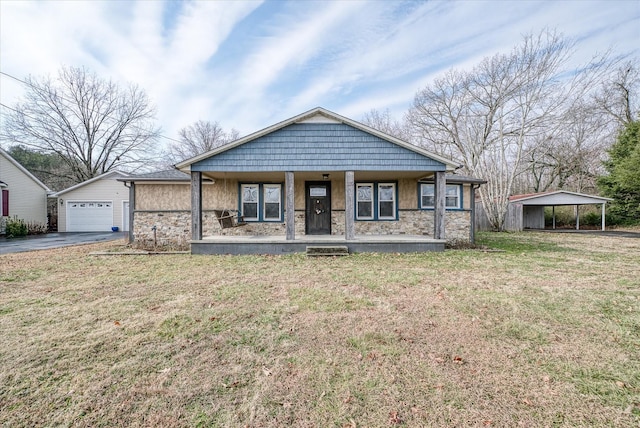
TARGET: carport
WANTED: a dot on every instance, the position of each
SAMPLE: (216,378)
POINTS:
(527,211)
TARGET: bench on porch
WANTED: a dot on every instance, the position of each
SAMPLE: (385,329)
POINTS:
(229,218)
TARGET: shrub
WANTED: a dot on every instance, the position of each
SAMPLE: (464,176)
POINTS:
(591,219)
(565,216)
(16,227)
(590,215)
(35,228)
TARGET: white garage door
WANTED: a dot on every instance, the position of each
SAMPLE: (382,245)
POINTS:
(89,216)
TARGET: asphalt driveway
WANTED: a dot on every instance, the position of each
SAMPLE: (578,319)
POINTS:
(55,240)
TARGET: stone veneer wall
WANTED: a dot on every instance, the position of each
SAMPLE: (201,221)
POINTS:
(173,228)
(419,222)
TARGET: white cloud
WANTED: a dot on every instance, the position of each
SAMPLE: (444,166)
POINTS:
(281,58)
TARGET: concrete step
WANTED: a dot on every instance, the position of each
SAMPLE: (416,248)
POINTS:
(327,250)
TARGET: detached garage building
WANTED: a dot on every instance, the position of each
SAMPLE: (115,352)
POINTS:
(95,205)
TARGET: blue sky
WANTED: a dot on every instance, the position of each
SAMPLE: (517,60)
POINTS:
(249,64)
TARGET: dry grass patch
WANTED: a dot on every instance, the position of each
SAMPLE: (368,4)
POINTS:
(545,333)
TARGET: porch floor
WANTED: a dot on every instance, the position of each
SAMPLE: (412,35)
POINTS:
(280,245)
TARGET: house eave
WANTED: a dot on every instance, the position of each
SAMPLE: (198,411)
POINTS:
(86,182)
(25,171)
(456,180)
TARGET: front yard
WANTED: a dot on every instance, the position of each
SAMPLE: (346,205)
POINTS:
(544,333)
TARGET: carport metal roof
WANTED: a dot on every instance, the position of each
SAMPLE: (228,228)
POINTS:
(557,198)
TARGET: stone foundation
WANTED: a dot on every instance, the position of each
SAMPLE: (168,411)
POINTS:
(419,222)
(173,228)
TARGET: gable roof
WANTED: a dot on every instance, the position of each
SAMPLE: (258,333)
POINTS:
(24,170)
(559,197)
(317,116)
(91,180)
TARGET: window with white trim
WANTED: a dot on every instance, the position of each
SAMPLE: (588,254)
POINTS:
(452,196)
(272,202)
(364,201)
(376,201)
(261,202)
(386,201)
(249,204)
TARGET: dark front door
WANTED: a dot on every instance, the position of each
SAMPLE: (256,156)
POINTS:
(318,208)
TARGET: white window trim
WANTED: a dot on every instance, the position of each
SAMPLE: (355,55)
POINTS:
(242,201)
(393,216)
(264,202)
(458,188)
(358,216)
(458,197)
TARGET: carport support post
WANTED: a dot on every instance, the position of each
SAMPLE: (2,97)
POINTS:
(290,206)
(577,217)
(553,215)
(196,205)
(603,214)
(440,187)
(349,206)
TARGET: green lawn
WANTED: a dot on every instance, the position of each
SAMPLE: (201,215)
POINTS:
(545,332)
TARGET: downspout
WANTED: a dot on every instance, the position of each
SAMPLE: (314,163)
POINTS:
(472,203)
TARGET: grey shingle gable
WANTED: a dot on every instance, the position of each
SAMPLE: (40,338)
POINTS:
(318,147)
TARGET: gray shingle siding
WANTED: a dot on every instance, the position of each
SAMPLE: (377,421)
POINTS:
(318,147)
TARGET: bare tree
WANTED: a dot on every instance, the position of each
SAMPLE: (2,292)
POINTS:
(198,138)
(603,97)
(383,121)
(570,155)
(92,124)
(619,96)
(485,117)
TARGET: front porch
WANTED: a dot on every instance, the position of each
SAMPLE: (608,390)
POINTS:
(322,178)
(281,245)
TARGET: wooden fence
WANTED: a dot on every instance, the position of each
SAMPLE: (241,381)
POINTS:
(512,221)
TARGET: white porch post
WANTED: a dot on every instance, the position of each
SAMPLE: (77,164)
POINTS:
(603,214)
(290,205)
(577,217)
(349,205)
(196,205)
(440,188)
